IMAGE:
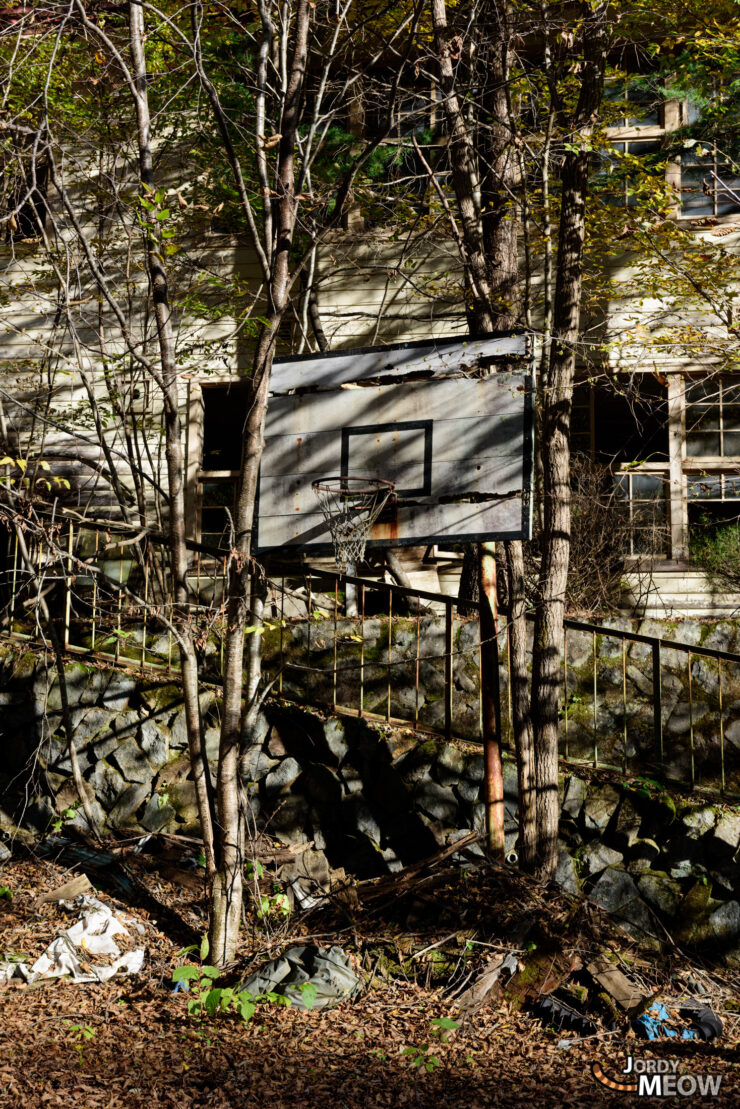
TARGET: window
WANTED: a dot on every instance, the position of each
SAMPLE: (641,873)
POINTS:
(708,185)
(224,413)
(713,418)
(644,498)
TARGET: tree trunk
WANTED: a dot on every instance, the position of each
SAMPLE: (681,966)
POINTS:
(173,446)
(279,224)
(520,704)
(555,449)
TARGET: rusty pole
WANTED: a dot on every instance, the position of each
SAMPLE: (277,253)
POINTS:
(491,701)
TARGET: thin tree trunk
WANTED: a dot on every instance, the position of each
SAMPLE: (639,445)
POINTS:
(173,447)
(555,449)
(520,704)
(227,888)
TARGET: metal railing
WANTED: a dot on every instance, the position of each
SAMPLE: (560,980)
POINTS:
(636,703)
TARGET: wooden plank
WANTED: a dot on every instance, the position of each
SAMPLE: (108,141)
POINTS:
(426,523)
(498,395)
(500,441)
(280,495)
(439,356)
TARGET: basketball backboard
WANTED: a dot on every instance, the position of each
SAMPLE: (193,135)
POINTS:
(458,446)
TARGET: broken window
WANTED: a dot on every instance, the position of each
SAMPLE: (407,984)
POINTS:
(709,187)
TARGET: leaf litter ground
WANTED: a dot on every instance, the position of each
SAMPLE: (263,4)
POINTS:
(421,938)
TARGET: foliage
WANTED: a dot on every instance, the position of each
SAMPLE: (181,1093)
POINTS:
(210,999)
(716,551)
(421,1055)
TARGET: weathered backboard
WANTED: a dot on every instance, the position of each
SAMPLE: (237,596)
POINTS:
(457,447)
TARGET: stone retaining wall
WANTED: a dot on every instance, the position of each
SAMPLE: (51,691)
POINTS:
(370,799)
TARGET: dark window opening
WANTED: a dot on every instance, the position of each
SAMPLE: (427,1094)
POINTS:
(224,413)
(631,421)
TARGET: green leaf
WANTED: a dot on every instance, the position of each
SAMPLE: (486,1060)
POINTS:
(246,1009)
(212,1001)
(204,948)
(164,214)
(210,972)
(446,1022)
(171,249)
(182,974)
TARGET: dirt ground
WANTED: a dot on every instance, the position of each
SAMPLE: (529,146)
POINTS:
(131,1043)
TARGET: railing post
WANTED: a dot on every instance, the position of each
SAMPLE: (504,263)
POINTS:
(657,703)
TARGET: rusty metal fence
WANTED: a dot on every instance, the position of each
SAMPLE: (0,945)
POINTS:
(637,703)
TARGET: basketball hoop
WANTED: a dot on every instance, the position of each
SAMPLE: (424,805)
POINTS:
(351,505)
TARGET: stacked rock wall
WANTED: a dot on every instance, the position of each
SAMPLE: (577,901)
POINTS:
(370,799)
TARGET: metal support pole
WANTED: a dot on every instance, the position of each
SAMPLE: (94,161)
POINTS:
(491,701)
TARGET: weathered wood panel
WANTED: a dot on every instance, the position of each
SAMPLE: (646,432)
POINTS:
(412,525)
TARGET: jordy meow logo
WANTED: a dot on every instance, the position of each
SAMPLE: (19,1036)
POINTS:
(659,1078)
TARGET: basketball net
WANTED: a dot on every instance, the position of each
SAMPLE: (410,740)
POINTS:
(350,506)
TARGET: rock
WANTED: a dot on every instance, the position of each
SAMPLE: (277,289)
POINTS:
(692,911)
(119,690)
(640,681)
(627,827)
(124,726)
(320,784)
(511,782)
(684,714)
(335,739)
(358,817)
(642,855)
(131,761)
(276,749)
(725,921)
(726,838)
(450,766)
(182,797)
(289,821)
(732,732)
(599,808)
(698,821)
(282,778)
(475,768)
(212,743)
(79,820)
(661,892)
(161,698)
(92,722)
(598,857)
(566,875)
(575,795)
(158,813)
(437,801)
(154,742)
(256,764)
(351,779)
(107,783)
(468,791)
(126,807)
(618,895)
(5,852)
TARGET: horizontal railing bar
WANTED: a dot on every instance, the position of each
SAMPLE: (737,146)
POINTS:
(391,587)
(636,637)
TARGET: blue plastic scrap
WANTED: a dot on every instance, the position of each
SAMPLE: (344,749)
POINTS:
(654,1024)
